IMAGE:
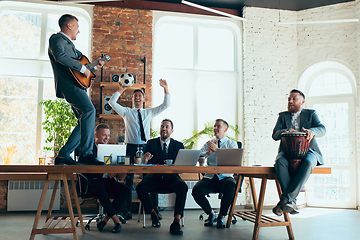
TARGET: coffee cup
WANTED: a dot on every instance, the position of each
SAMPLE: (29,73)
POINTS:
(137,160)
(201,160)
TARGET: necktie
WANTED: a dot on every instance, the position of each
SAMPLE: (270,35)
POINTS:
(219,143)
(141,127)
(164,151)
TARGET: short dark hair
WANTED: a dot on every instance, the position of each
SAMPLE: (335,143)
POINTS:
(139,90)
(222,120)
(168,120)
(100,126)
(65,19)
(299,92)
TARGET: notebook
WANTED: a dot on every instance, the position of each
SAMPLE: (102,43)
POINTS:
(187,157)
(111,149)
(229,156)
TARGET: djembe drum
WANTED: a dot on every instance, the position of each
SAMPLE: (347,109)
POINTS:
(295,147)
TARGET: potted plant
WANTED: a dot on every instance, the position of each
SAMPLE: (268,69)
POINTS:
(59,121)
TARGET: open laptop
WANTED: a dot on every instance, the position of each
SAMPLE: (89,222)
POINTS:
(229,156)
(111,149)
(187,157)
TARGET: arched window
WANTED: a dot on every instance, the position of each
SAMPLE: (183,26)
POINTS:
(26,76)
(200,58)
(331,91)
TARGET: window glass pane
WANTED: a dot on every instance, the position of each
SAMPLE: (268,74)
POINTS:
(82,39)
(20,34)
(18,111)
(174,46)
(330,83)
(216,49)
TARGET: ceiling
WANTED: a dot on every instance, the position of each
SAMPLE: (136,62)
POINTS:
(229,6)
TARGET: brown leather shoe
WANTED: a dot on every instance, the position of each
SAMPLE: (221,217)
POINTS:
(290,208)
(277,210)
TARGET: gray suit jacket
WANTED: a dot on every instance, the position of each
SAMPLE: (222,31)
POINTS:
(62,53)
(309,120)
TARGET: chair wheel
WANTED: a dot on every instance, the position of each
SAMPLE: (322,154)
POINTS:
(234,221)
(87,227)
(201,217)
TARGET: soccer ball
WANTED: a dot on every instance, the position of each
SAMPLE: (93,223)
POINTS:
(127,80)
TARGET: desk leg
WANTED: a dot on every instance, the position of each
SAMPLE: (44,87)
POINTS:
(52,199)
(77,203)
(286,215)
(259,208)
(253,192)
(39,210)
(68,200)
(231,212)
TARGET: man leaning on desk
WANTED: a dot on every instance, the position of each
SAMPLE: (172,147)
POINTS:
(221,183)
(156,152)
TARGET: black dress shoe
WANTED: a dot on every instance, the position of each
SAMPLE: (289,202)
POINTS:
(210,220)
(175,228)
(100,225)
(127,216)
(117,228)
(90,160)
(65,161)
(220,222)
(155,220)
(158,213)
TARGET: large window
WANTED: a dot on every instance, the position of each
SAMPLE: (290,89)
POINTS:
(26,76)
(199,57)
(331,92)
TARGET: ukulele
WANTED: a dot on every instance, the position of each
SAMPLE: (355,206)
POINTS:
(83,81)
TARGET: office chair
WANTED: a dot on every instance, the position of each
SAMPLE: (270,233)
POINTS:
(82,187)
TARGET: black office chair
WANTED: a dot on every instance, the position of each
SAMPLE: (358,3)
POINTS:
(82,187)
(234,220)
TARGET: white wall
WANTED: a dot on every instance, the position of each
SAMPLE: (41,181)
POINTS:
(276,55)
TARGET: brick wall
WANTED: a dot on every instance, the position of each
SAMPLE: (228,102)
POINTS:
(125,35)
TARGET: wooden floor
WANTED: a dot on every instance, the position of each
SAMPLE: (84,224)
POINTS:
(310,224)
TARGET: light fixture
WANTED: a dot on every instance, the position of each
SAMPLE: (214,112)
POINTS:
(212,10)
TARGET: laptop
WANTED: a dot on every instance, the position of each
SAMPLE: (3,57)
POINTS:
(187,157)
(111,149)
(229,156)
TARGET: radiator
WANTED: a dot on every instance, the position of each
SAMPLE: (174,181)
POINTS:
(25,195)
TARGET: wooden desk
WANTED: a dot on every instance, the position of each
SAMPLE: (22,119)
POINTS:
(63,173)
(256,216)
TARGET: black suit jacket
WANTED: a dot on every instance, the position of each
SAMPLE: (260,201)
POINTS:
(153,146)
(62,53)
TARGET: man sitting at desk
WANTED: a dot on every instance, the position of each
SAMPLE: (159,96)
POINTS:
(222,183)
(105,186)
(296,119)
(156,151)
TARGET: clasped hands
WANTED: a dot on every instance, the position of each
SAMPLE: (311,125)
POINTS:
(119,176)
(309,133)
(212,146)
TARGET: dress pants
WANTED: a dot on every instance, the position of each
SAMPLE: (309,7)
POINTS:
(158,183)
(205,186)
(291,183)
(83,133)
(106,188)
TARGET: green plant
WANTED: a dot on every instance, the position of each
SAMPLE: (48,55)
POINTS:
(59,121)
(208,130)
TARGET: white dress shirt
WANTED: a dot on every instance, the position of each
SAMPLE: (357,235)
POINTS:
(295,121)
(131,118)
(224,143)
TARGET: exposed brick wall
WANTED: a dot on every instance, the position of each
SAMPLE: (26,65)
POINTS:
(125,35)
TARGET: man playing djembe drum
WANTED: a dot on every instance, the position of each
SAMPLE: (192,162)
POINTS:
(296,119)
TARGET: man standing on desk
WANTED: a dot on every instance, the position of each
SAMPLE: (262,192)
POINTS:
(223,183)
(296,119)
(156,152)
